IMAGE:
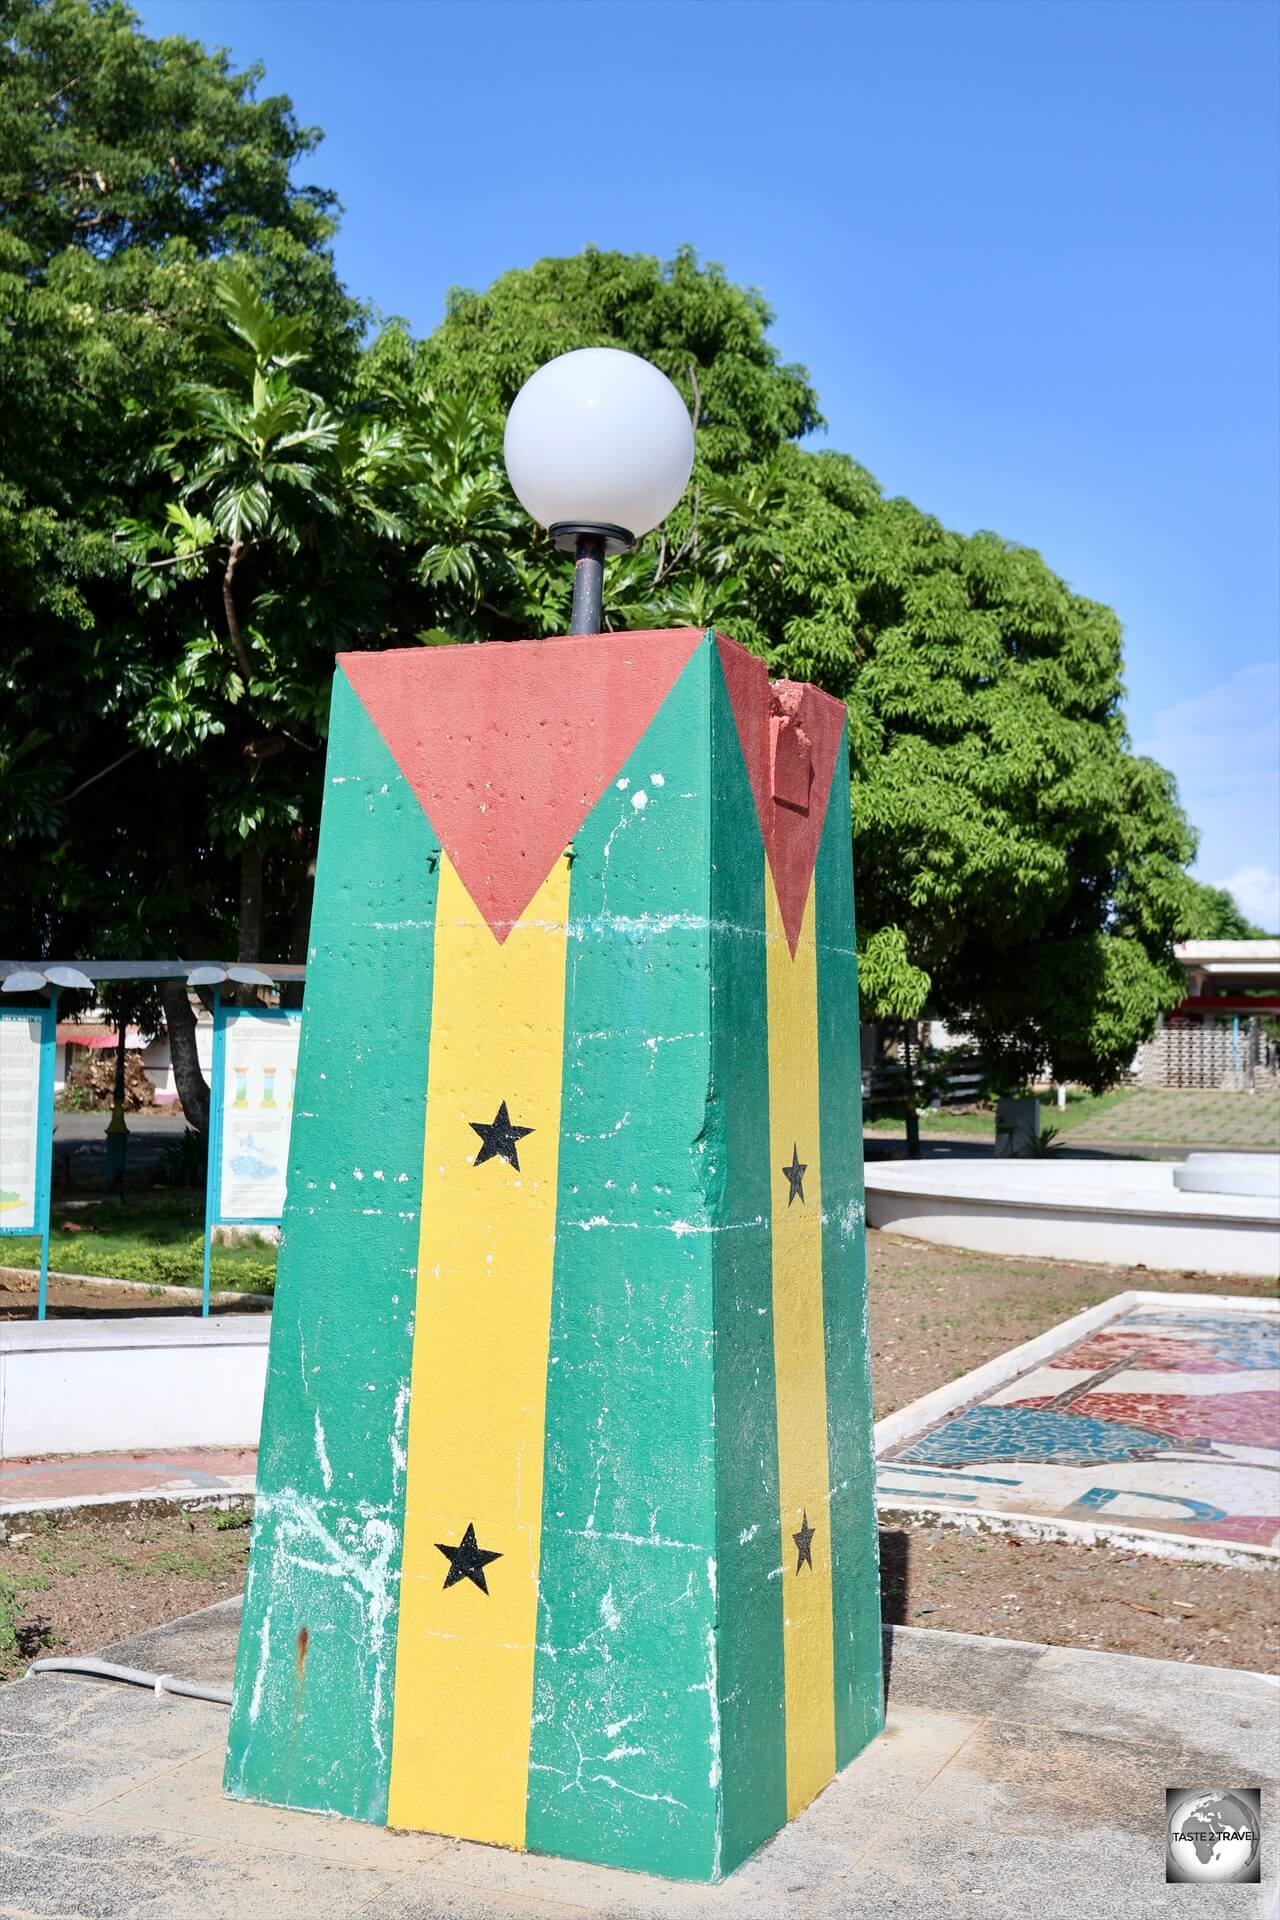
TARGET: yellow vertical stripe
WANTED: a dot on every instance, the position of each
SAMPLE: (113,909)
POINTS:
(800,1355)
(464,1658)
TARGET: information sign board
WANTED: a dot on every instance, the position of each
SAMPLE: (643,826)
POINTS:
(258,1061)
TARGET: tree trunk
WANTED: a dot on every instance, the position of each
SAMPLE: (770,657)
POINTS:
(233,617)
(249,938)
(193,1088)
(912,1117)
(300,917)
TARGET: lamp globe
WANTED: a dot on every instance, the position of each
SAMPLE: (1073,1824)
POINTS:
(599,441)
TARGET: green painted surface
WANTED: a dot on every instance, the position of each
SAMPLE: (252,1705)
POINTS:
(658,1734)
(311,1723)
(623,1760)
(751,1681)
(854,1537)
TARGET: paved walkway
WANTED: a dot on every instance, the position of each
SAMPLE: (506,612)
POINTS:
(97,1479)
(80,1144)
(1014,1782)
(1156,1117)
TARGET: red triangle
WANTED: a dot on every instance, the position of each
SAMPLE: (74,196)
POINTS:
(790,737)
(509,746)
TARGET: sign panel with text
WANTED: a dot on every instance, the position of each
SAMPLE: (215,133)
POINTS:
(26,1061)
(256,1067)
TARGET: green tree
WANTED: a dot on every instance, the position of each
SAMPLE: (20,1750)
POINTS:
(1214,915)
(1018,867)
(708,336)
(209,483)
(250,483)
(284,528)
(129,168)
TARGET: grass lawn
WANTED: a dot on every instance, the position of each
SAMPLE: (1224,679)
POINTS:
(981,1124)
(1081,1107)
(159,1241)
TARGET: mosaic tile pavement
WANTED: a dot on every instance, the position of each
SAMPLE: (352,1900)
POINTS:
(1165,1419)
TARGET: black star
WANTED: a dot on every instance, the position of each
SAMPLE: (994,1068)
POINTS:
(499,1138)
(804,1544)
(467,1561)
(795,1175)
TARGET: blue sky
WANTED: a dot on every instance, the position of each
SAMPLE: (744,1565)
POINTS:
(1026,248)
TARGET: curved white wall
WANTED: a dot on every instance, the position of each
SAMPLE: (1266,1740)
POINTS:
(100,1386)
(1113,1212)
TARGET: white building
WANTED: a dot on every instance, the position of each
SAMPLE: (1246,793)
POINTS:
(1224,1033)
(93,1034)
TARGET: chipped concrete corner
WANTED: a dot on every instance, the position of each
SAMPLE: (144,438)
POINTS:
(566,1533)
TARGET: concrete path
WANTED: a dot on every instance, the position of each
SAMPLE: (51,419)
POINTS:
(54,1482)
(80,1144)
(1013,1780)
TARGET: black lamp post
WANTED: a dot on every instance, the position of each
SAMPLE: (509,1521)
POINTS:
(590,546)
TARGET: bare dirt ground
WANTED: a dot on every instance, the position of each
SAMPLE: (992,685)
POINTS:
(937,1312)
(1069,1596)
(71,1299)
(88,1578)
(76,1581)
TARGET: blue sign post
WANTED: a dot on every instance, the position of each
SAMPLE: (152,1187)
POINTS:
(27,1072)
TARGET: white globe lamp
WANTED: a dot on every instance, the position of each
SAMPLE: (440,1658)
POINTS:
(599,448)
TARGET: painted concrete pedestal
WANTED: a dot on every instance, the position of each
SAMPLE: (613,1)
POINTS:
(566,1532)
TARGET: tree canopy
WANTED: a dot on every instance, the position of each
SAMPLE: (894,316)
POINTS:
(211,478)
(130,168)
(1214,915)
(1019,869)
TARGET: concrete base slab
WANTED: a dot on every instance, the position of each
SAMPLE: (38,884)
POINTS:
(1011,1780)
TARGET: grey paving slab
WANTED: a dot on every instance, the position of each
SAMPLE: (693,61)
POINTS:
(67,1745)
(426,1898)
(20,1826)
(97,1872)
(188,1801)
(946,1862)
(1012,1780)
(1212,1714)
(1029,1819)
(1040,1780)
(199,1646)
(957,1672)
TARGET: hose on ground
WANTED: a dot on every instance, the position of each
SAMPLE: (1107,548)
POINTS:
(159,1683)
